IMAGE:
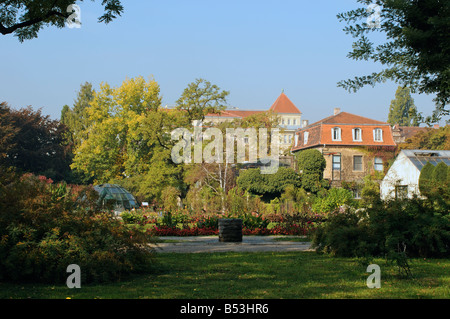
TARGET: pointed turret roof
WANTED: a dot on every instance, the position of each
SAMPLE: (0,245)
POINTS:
(284,105)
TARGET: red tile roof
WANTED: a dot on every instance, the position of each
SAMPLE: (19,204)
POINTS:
(410,131)
(235,113)
(320,133)
(284,105)
(347,118)
(281,105)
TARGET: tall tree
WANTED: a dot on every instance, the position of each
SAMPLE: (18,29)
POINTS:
(200,98)
(76,118)
(416,53)
(402,110)
(126,139)
(25,18)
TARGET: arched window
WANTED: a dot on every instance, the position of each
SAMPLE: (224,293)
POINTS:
(336,133)
(357,134)
(378,135)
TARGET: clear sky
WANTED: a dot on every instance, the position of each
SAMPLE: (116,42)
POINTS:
(252,48)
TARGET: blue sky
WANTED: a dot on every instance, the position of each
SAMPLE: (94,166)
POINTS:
(254,49)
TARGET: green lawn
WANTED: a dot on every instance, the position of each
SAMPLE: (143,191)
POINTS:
(256,275)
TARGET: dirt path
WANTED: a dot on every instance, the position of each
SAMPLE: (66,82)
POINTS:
(211,244)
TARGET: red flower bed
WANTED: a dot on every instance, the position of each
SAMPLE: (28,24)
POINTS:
(207,231)
(277,230)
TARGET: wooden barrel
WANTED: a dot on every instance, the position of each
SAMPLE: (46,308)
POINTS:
(230,230)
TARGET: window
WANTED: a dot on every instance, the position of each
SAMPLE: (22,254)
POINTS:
(378,135)
(295,122)
(401,192)
(282,121)
(290,139)
(336,134)
(357,134)
(336,162)
(356,193)
(285,139)
(305,138)
(289,121)
(357,163)
(378,164)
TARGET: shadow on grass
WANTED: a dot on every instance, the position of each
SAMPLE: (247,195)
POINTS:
(274,275)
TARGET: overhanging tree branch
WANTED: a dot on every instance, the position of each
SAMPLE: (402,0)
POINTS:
(7,30)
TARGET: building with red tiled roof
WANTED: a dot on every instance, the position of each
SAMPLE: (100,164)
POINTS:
(403,133)
(283,105)
(353,145)
(289,116)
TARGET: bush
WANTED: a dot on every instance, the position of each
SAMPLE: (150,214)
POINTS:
(133,217)
(425,178)
(46,227)
(335,198)
(312,164)
(392,229)
(271,185)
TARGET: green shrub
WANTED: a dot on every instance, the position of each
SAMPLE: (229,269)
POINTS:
(425,178)
(335,198)
(256,183)
(133,217)
(46,227)
(253,220)
(392,229)
(311,164)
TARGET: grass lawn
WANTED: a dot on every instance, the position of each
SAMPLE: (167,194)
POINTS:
(273,275)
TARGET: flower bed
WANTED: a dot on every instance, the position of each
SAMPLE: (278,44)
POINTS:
(178,224)
(174,231)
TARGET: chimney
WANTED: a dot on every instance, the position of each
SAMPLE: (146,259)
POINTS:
(337,110)
(305,123)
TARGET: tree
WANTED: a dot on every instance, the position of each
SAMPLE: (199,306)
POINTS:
(127,141)
(425,179)
(32,143)
(169,197)
(416,53)
(201,98)
(429,139)
(26,18)
(439,176)
(7,133)
(402,110)
(76,119)
(311,164)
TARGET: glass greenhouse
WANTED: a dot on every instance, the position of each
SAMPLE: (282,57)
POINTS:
(117,196)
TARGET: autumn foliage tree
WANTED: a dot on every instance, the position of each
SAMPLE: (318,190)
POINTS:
(127,140)
(33,143)
(429,139)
